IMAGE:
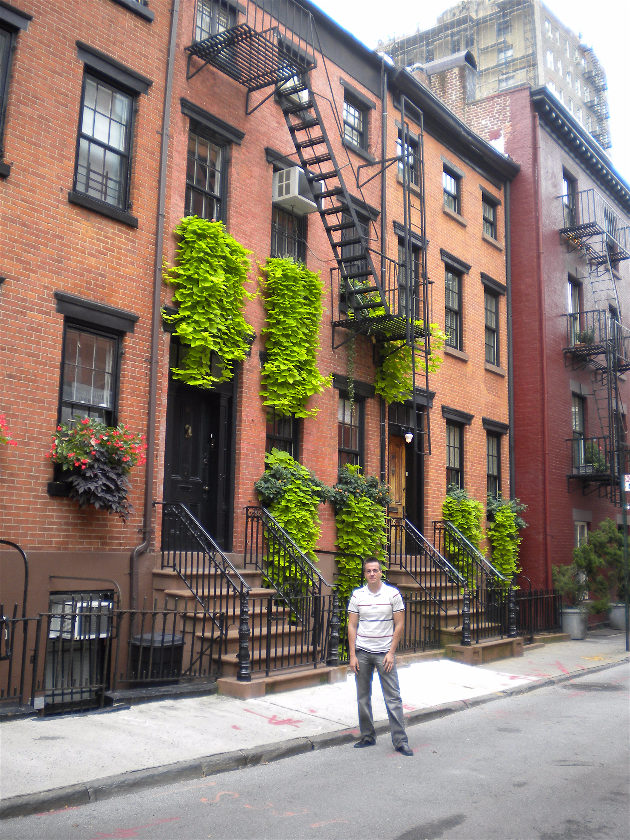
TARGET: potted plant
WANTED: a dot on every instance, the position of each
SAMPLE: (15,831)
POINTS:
(97,459)
(585,337)
(5,436)
(607,542)
(594,458)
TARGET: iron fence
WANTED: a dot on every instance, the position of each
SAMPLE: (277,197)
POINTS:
(537,610)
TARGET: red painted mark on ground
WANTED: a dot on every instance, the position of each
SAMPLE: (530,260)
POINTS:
(409,708)
(235,726)
(561,667)
(232,794)
(123,833)
(327,822)
(58,811)
(313,711)
(274,720)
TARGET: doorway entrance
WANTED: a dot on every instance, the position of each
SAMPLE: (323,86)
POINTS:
(406,461)
(198,467)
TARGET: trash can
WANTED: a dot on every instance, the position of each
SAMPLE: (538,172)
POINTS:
(156,658)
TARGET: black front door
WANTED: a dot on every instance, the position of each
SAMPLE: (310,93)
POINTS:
(198,465)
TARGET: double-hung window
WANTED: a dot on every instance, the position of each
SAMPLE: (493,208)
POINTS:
(451,188)
(454,454)
(453,308)
(569,199)
(12,20)
(104,143)
(577,425)
(489,215)
(408,279)
(350,419)
(407,151)
(493,460)
(204,176)
(282,433)
(213,17)
(574,294)
(288,235)
(354,123)
(491,310)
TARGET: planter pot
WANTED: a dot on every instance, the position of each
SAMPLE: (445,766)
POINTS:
(574,622)
(617,616)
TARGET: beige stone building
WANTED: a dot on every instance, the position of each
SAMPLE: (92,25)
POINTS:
(515,42)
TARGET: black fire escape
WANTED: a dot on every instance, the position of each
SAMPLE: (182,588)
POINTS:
(597,340)
(376,296)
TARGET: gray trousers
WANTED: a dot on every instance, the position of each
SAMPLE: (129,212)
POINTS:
(368,662)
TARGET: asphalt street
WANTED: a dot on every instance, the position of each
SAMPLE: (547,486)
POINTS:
(551,764)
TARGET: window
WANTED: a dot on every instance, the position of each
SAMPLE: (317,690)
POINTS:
(569,199)
(354,267)
(493,458)
(408,282)
(451,186)
(408,158)
(213,17)
(204,176)
(454,454)
(549,59)
(506,80)
(580,533)
(354,123)
(282,433)
(6,41)
(288,235)
(453,314)
(574,290)
(559,67)
(578,87)
(577,425)
(103,162)
(504,28)
(489,214)
(89,374)
(350,432)
(547,27)
(505,55)
(491,307)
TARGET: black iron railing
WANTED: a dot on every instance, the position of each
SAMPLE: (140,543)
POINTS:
(598,338)
(537,610)
(76,656)
(216,585)
(300,590)
(592,458)
(491,594)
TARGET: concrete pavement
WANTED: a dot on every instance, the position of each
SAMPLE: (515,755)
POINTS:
(54,762)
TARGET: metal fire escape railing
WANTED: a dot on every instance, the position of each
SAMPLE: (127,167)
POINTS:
(274,44)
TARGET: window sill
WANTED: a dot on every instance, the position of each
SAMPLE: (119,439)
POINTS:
(496,369)
(137,9)
(104,209)
(457,354)
(494,242)
(412,187)
(5,168)
(455,216)
(363,153)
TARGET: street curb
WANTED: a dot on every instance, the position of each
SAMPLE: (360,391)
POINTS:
(72,796)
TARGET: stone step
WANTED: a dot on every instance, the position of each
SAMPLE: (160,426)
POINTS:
(289,680)
(490,650)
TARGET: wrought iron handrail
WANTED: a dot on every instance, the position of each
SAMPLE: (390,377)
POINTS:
(477,556)
(215,583)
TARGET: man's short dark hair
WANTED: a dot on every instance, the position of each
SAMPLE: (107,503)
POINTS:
(372,560)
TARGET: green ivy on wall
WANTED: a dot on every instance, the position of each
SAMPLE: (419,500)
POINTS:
(209,290)
(504,534)
(394,373)
(293,301)
(360,505)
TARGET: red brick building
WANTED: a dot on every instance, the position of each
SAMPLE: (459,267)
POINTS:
(149,128)
(570,223)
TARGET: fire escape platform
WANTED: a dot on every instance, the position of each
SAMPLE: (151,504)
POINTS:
(253,59)
(382,327)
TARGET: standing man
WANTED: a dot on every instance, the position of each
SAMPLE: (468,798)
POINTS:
(375,625)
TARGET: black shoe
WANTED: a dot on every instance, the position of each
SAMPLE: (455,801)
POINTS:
(366,741)
(403,749)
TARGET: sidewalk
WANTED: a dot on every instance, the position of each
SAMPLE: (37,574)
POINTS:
(52,762)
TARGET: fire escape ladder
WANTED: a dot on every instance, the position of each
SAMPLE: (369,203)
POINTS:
(347,237)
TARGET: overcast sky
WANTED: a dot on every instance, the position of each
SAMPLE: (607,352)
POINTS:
(603,24)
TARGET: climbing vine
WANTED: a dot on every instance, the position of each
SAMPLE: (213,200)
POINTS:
(504,526)
(293,301)
(360,505)
(394,373)
(209,290)
(292,495)
(466,514)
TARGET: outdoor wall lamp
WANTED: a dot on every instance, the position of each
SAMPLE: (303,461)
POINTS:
(408,437)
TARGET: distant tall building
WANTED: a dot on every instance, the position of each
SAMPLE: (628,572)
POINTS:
(516,42)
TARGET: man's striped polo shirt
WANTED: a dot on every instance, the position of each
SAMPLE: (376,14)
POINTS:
(376,616)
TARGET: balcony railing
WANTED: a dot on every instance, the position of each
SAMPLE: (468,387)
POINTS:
(592,458)
(595,336)
(593,225)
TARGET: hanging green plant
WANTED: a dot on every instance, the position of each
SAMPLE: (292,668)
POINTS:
(293,301)
(504,526)
(292,495)
(360,503)
(465,514)
(209,290)
(394,372)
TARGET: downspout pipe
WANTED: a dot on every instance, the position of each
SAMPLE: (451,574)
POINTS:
(510,345)
(156,316)
(384,111)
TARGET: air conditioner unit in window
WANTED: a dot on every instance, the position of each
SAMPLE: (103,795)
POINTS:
(81,620)
(291,191)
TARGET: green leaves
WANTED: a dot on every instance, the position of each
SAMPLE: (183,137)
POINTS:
(292,295)
(394,374)
(209,276)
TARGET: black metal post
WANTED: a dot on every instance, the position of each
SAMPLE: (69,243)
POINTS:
(511,605)
(333,642)
(466,641)
(244,664)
